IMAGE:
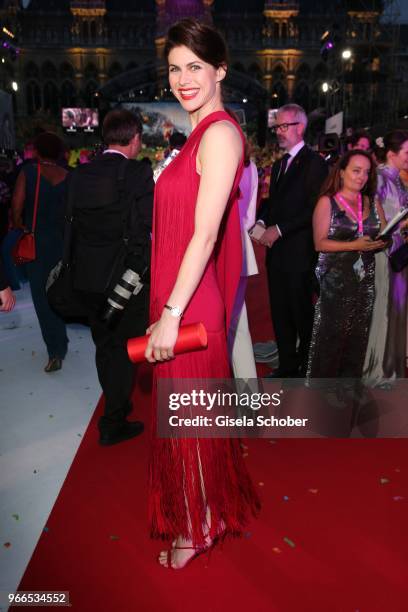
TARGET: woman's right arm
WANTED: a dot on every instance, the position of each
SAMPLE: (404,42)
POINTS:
(321,226)
(17,203)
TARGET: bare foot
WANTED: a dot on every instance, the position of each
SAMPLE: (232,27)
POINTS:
(181,552)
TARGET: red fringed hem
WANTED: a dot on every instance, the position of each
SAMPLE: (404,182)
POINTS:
(187,476)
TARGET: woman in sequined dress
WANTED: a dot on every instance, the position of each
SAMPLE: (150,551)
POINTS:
(387,345)
(345,223)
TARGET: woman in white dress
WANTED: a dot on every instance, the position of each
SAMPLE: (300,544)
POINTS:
(386,352)
(240,341)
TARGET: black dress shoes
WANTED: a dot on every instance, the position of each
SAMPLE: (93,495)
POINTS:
(54,364)
(125,431)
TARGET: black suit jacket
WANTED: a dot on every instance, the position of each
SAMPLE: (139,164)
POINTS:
(290,206)
(100,216)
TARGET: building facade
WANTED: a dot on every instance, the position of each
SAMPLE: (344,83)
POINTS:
(76,52)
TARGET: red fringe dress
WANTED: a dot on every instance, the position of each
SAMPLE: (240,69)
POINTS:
(188,475)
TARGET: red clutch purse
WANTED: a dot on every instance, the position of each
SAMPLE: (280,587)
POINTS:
(192,337)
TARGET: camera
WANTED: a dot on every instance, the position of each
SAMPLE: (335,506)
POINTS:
(129,284)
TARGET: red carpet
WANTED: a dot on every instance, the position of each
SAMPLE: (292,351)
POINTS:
(331,537)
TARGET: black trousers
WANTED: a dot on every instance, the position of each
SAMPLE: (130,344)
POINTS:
(115,371)
(291,300)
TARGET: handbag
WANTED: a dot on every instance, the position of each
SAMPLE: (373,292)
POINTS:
(399,258)
(24,249)
(61,295)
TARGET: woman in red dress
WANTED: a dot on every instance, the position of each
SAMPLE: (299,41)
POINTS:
(199,488)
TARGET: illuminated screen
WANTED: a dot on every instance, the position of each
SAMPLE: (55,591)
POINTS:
(80,118)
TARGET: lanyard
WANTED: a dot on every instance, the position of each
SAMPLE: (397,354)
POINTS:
(359,216)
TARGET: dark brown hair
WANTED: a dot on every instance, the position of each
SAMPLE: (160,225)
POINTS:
(358,134)
(120,126)
(333,182)
(48,145)
(393,141)
(203,40)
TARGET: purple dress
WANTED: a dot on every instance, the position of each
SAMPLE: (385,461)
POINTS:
(387,344)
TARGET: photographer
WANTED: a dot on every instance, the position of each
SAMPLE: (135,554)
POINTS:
(112,222)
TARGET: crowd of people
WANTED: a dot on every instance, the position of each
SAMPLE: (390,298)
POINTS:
(194,229)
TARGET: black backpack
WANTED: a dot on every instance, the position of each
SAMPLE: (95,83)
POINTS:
(100,219)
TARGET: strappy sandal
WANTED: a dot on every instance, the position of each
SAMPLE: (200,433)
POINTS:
(198,551)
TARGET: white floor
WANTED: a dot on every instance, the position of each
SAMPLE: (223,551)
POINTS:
(42,419)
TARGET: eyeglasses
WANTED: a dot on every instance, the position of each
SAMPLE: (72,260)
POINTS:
(283,126)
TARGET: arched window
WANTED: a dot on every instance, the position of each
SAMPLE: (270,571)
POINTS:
(33,97)
(92,30)
(303,73)
(51,97)
(255,72)
(48,71)
(301,95)
(31,71)
(320,71)
(279,94)
(114,70)
(279,73)
(68,94)
(89,94)
(66,71)
(85,32)
(91,71)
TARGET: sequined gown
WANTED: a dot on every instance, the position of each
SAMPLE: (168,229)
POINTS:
(188,475)
(343,311)
(387,344)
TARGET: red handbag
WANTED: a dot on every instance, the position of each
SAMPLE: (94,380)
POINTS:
(24,249)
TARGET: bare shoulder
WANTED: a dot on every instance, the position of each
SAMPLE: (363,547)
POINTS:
(323,202)
(222,133)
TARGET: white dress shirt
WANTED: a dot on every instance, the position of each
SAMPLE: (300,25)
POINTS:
(293,152)
(115,151)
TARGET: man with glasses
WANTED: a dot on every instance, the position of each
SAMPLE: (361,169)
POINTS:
(286,215)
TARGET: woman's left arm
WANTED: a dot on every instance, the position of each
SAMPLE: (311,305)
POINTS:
(218,156)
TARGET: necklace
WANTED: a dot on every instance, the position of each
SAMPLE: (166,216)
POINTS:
(47,163)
